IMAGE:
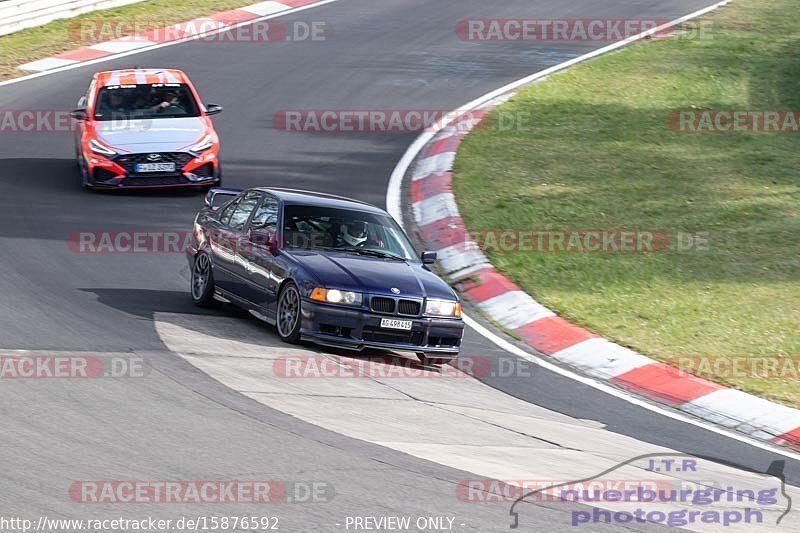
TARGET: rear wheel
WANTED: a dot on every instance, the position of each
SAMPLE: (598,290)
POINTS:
(288,316)
(202,281)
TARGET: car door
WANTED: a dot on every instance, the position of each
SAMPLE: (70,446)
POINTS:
(237,239)
(222,250)
(258,256)
(227,237)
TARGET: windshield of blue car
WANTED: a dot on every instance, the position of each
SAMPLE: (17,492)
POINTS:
(147,101)
(346,231)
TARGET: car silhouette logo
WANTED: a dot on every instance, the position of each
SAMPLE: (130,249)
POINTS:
(679,468)
(154,157)
(395,290)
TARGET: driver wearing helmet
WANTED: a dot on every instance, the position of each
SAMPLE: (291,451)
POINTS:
(354,233)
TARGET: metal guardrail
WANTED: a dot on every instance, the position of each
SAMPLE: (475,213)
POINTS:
(16,15)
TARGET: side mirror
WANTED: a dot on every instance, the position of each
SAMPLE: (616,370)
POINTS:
(263,238)
(213,109)
(79,114)
(428,258)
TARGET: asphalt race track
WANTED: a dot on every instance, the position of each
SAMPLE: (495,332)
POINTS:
(189,418)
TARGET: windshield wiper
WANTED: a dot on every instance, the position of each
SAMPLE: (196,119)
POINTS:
(374,253)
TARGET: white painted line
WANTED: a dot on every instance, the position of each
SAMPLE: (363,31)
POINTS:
(48,63)
(435,164)
(435,208)
(514,309)
(601,358)
(266,8)
(77,64)
(395,207)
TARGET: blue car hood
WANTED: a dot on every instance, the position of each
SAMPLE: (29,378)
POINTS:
(156,135)
(373,275)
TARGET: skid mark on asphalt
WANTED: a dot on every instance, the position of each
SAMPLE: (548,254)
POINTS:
(452,420)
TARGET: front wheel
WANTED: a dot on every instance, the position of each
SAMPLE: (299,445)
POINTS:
(288,315)
(84,174)
(202,281)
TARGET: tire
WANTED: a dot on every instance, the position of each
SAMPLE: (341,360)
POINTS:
(287,316)
(433,361)
(84,175)
(202,284)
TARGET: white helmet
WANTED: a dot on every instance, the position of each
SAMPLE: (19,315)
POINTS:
(354,232)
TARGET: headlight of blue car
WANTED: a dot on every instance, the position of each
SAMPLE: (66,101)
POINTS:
(447,308)
(336,296)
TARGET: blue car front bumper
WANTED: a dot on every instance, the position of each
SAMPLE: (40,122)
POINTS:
(358,329)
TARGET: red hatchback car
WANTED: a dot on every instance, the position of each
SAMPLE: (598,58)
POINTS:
(145,128)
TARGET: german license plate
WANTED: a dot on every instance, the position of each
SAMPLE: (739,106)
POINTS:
(390,323)
(154,167)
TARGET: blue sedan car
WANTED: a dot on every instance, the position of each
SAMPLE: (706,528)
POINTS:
(325,269)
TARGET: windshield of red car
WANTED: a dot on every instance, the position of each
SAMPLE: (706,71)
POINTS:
(147,101)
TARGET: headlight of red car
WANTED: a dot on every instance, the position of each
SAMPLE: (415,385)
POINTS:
(205,143)
(99,148)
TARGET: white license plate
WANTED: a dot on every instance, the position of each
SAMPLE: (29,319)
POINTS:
(155,167)
(391,323)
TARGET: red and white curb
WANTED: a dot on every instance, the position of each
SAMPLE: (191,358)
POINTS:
(437,217)
(181,31)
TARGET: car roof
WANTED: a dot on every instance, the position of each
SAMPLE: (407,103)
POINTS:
(319,199)
(140,76)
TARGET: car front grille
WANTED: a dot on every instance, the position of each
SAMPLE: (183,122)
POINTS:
(379,304)
(127,161)
(393,306)
(409,307)
(403,337)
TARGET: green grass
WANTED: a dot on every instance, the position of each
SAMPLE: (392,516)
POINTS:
(61,35)
(594,151)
